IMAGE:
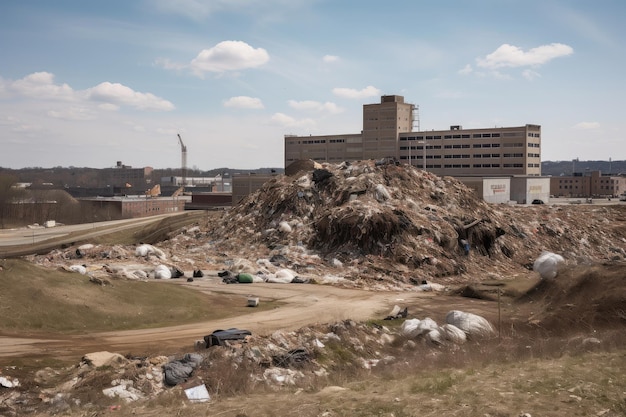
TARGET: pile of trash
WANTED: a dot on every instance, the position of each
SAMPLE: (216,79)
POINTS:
(277,360)
(393,219)
(401,225)
(361,224)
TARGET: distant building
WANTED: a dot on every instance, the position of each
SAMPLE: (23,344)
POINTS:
(115,208)
(218,183)
(244,184)
(126,177)
(588,184)
(388,133)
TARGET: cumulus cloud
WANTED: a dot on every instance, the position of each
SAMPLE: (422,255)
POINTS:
(512,56)
(228,56)
(287,121)
(244,102)
(110,96)
(330,58)
(367,92)
(310,105)
(118,94)
(41,85)
(587,125)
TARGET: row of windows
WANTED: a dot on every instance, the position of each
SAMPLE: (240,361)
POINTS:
(465,156)
(458,136)
(533,145)
(533,135)
(453,166)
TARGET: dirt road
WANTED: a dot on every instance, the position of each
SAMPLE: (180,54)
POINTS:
(300,305)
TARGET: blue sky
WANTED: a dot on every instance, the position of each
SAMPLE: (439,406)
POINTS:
(89,83)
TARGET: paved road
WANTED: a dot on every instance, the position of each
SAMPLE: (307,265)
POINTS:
(35,234)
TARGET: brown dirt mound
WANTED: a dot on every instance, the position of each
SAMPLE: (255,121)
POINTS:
(586,296)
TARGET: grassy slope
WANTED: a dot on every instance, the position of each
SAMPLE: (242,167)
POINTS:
(33,299)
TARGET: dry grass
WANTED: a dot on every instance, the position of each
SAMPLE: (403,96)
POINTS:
(34,299)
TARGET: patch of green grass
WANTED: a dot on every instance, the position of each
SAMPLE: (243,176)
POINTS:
(41,300)
(435,384)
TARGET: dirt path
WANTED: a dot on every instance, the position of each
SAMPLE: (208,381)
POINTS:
(301,305)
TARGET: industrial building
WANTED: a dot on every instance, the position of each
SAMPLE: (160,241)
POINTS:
(588,185)
(115,208)
(388,132)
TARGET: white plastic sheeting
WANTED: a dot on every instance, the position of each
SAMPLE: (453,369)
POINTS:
(162,272)
(78,268)
(547,264)
(145,250)
(415,327)
(471,324)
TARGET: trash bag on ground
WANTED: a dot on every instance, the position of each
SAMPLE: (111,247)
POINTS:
(547,264)
(471,324)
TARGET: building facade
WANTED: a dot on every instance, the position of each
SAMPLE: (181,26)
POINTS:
(387,132)
(588,184)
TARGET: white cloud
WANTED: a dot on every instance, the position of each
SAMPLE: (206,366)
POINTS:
(118,94)
(587,125)
(466,70)
(367,92)
(512,56)
(287,121)
(530,74)
(41,85)
(244,102)
(228,56)
(73,113)
(328,107)
(330,58)
(169,65)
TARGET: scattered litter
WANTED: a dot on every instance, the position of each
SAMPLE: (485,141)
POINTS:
(198,394)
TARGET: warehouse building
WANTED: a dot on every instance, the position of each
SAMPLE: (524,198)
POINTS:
(388,133)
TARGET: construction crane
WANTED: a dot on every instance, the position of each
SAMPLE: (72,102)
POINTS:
(183,153)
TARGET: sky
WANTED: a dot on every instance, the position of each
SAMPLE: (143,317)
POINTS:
(91,83)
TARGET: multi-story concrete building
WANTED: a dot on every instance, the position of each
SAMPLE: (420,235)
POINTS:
(588,184)
(124,176)
(388,132)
